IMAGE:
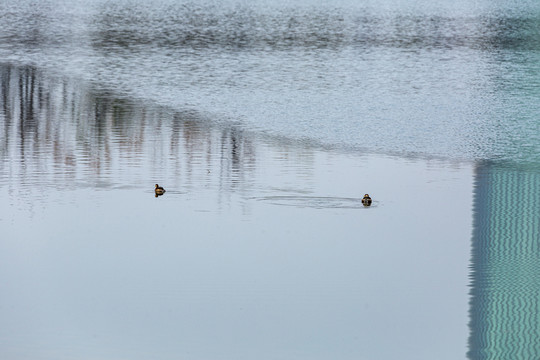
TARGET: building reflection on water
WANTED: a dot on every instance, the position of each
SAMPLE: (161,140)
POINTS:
(505,272)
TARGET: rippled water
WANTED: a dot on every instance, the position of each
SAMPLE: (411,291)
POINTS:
(453,80)
(267,122)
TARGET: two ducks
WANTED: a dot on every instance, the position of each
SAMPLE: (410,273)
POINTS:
(366,200)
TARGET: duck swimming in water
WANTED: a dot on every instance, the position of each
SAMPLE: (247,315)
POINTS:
(366,201)
(159,190)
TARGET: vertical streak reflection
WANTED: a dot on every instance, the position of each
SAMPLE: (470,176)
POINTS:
(62,134)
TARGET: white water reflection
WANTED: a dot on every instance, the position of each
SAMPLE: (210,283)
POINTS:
(257,249)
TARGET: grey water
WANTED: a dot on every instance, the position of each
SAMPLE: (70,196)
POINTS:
(266,122)
(423,78)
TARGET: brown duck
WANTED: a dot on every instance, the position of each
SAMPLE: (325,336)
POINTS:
(366,201)
(159,190)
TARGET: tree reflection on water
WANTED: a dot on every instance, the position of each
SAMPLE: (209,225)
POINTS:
(60,132)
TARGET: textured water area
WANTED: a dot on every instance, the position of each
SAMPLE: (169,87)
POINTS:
(266,123)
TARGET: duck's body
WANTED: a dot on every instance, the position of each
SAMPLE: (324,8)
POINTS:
(366,200)
(159,190)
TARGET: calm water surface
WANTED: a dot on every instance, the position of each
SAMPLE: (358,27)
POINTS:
(266,123)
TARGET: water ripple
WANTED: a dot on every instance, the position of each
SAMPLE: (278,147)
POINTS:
(316,202)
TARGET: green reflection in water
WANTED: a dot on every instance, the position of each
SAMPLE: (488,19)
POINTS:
(505,274)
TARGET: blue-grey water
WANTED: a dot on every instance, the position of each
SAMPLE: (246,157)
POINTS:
(266,122)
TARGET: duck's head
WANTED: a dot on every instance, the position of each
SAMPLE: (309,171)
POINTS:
(366,196)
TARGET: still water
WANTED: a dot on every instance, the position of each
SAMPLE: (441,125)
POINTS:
(266,123)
